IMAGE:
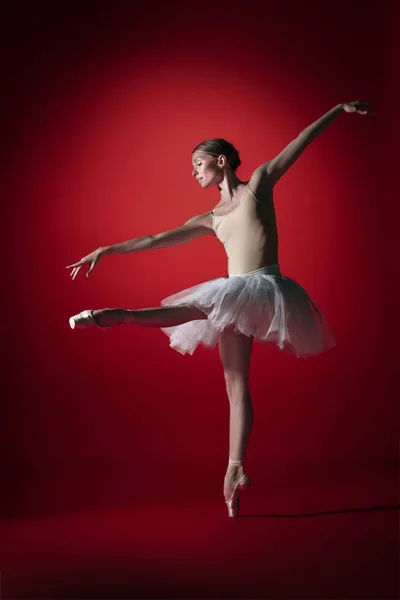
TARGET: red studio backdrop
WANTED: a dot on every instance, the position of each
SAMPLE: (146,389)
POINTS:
(104,108)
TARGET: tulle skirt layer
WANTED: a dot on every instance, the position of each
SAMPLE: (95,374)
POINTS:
(262,303)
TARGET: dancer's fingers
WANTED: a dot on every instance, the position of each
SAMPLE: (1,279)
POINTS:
(90,269)
(74,264)
(92,266)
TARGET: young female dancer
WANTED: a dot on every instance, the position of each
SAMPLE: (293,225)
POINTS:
(254,301)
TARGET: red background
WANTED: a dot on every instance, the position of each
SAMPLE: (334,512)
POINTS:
(103,108)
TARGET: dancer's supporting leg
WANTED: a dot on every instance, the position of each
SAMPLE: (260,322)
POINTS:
(235,352)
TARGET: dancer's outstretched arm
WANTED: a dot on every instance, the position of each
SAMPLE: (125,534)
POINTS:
(276,167)
(193,228)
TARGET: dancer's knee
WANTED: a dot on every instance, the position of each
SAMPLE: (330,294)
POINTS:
(237,388)
(197,313)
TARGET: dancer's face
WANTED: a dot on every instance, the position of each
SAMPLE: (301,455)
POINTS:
(206,169)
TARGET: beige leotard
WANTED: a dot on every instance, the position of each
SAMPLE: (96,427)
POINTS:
(249,234)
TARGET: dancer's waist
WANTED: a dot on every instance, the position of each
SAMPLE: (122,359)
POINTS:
(270,270)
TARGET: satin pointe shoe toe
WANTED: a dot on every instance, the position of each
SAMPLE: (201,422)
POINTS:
(233,504)
(83,320)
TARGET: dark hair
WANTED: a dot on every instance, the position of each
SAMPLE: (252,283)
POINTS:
(217,146)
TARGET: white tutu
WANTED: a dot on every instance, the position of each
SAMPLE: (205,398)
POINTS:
(261,303)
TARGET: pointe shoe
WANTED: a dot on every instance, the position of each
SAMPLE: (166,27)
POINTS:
(233,503)
(83,320)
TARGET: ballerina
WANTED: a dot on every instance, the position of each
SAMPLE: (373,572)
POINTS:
(254,301)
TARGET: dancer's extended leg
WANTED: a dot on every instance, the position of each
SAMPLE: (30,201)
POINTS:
(164,316)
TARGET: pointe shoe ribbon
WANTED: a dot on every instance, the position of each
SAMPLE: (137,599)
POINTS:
(233,502)
(84,319)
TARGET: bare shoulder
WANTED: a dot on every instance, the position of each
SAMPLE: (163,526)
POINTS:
(260,184)
(202,222)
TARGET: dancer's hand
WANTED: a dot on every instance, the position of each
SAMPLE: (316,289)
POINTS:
(92,258)
(359,106)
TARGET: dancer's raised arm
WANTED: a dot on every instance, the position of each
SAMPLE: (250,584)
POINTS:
(276,167)
(193,228)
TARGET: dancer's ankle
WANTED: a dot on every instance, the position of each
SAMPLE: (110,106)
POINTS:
(235,463)
(234,469)
(96,314)
(110,317)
